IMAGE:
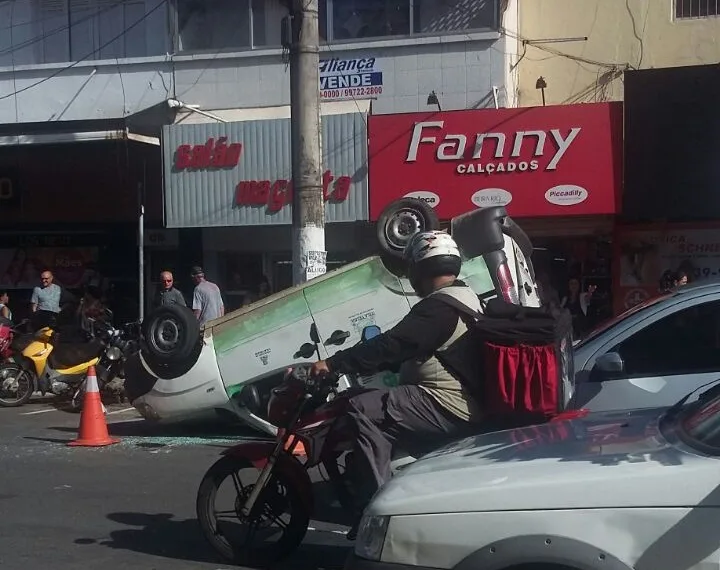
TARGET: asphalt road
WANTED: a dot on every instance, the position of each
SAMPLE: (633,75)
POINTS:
(127,506)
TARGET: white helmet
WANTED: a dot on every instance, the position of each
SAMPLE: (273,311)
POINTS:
(432,254)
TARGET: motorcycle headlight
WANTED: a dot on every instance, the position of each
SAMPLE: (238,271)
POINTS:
(371,537)
(113,353)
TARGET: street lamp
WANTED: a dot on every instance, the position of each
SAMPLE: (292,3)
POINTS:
(433,100)
(540,84)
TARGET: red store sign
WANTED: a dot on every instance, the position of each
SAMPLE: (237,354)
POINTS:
(275,195)
(536,161)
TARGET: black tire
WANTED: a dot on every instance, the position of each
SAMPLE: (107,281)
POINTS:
(170,370)
(402,219)
(291,538)
(170,333)
(13,368)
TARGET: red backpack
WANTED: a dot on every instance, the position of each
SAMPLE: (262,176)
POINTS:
(521,371)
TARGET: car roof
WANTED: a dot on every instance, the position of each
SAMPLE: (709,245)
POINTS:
(707,285)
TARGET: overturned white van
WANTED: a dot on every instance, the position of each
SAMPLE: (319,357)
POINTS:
(230,366)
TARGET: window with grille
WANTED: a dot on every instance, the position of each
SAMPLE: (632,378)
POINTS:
(685,9)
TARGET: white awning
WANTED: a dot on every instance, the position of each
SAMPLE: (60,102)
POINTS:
(188,115)
(85,136)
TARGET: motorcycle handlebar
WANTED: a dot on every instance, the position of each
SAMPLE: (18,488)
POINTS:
(301,372)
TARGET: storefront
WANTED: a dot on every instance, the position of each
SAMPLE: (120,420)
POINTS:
(557,170)
(70,197)
(233,180)
(671,202)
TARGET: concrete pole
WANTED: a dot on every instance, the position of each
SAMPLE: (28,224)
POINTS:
(308,206)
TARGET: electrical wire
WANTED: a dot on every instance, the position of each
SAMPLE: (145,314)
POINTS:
(75,63)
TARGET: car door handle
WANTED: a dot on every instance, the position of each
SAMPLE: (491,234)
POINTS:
(337,337)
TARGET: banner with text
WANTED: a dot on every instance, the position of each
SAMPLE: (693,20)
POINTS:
(644,254)
(20,268)
(355,78)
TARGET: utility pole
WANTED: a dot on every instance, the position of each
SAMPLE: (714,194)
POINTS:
(308,204)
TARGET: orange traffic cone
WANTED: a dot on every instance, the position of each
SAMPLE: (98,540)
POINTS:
(93,428)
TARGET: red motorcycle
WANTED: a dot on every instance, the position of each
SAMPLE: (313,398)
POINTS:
(277,498)
(280,496)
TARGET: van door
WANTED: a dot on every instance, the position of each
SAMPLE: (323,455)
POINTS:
(361,294)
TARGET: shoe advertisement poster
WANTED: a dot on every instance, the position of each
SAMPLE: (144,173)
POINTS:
(20,268)
(645,253)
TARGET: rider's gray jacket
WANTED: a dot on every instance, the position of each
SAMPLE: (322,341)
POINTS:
(431,375)
(432,325)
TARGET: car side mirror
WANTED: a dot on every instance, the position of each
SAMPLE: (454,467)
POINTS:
(370,331)
(610,363)
(305,351)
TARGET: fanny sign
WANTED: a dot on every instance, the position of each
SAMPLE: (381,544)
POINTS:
(538,161)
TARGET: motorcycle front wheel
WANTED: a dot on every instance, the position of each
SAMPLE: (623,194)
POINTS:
(16,385)
(278,511)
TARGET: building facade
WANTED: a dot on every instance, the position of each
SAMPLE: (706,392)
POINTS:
(582,55)
(101,79)
(78,59)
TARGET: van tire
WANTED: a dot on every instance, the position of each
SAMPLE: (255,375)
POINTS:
(175,369)
(402,219)
(170,335)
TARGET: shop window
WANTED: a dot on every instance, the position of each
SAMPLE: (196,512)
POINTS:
(685,342)
(239,277)
(432,16)
(696,8)
(213,24)
(108,29)
(358,19)
(56,31)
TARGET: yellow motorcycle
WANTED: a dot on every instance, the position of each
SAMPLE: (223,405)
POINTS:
(48,365)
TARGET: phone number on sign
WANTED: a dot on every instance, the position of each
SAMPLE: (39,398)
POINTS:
(700,272)
(352,92)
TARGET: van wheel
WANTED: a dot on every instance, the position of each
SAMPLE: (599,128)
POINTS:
(171,333)
(401,220)
(175,369)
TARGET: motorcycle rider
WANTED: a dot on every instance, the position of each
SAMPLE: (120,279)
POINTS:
(429,401)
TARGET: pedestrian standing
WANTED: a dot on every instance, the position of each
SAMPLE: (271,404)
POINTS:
(167,294)
(45,301)
(207,300)
(47,296)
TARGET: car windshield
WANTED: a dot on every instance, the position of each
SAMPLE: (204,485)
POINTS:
(701,424)
(609,323)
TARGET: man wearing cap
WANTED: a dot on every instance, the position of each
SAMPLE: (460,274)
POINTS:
(207,300)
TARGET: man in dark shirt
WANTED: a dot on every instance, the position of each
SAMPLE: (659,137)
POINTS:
(167,294)
(430,401)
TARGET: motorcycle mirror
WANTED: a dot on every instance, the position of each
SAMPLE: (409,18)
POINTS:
(314,336)
(307,350)
(370,331)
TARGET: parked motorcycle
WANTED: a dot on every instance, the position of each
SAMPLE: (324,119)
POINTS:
(48,365)
(305,409)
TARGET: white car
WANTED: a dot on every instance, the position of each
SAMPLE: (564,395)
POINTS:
(608,491)
(230,368)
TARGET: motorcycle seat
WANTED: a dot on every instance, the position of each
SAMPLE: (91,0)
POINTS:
(65,355)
